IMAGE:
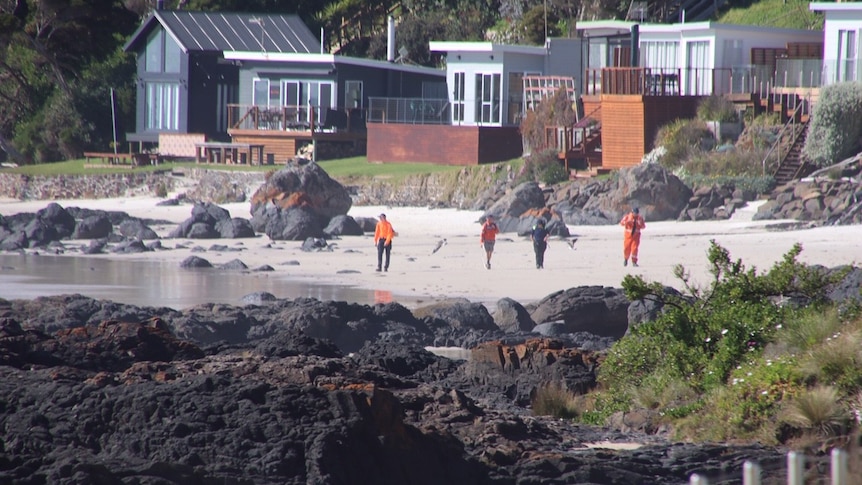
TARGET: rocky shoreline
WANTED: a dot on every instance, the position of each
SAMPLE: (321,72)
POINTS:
(305,391)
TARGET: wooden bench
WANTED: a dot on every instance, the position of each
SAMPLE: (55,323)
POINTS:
(217,152)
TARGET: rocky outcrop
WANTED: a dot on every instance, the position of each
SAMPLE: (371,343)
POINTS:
(826,202)
(715,202)
(658,194)
(209,221)
(302,185)
(55,223)
(520,210)
(597,310)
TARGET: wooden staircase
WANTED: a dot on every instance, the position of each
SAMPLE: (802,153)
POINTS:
(793,166)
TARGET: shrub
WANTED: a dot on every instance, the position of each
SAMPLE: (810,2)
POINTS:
(681,139)
(745,407)
(556,110)
(836,124)
(838,361)
(717,108)
(544,167)
(705,334)
(817,410)
(733,163)
(553,400)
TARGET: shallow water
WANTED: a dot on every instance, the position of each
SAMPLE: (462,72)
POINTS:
(159,283)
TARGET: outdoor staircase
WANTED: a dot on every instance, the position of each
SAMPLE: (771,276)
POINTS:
(793,166)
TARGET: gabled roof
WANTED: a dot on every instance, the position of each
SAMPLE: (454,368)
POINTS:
(225,31)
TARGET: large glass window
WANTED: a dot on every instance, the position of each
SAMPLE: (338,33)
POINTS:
(847,55)
(488,98)
(155,51)
(659,54)
(162,53)
(353,94)
(698,74)
(163,106)
(302,95)
(458,98)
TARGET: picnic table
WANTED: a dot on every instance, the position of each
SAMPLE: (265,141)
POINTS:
(222,152)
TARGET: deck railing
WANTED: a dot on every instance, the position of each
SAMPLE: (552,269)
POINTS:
(420,111)
(294,118)
(757,79)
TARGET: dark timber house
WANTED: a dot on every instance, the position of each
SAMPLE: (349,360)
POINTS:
(256,79)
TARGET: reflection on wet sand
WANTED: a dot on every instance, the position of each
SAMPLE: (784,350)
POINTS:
(158,283)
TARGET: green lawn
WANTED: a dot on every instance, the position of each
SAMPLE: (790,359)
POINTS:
(788,14)
(356,167)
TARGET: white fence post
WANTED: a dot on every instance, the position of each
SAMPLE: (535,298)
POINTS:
(795,468)
(750,473)
(839,467)
(697,480)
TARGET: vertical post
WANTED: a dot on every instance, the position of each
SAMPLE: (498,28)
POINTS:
(114,120)
(839,467)
(750,473)
(697,480)
(795,468)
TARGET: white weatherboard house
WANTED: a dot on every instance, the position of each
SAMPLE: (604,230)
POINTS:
(485,79)
(695,58)
(842,41)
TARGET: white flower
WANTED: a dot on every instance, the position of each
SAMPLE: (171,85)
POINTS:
(749,374)
(724,331)
(764,393)
(778,326)
(708,339)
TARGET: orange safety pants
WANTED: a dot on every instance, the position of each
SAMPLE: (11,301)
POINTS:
(630,246)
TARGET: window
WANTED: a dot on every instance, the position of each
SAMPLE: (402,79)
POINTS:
(659,54)
(458,98)
(698,75)
(488,98)
(260,95)
(353,94)
(847,55)
(302,95)
(163,107)
(162,53)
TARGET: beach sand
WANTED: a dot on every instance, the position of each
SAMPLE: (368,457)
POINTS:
(457,269)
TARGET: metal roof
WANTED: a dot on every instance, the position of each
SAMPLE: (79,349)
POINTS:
(225,31)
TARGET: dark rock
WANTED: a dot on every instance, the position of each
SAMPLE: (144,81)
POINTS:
(39,233)
(510,208)
(343,225)
(236,227)
(305,186)
(458,313)
(96,246)
(598,310)
(314,244)
(294,224)
(93,227)
(58,218)
(511,316)
(202,230)
(130,247)
(264,268)
(136,229)
(258,298)
(195,262)
(234,264)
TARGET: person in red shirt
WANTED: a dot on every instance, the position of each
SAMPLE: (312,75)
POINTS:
(383,235)
(634,224)
(488,238)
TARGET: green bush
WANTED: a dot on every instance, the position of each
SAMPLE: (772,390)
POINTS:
(717,108)
(544,167)
(836,124)
(554,400)
(682,139)
(704,335)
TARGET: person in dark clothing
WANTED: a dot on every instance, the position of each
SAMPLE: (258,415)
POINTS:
(539,236)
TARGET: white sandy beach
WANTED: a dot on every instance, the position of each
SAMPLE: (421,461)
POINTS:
(457,270)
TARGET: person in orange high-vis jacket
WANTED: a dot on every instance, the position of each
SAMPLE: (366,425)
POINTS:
(488,238)
(383,235)
(634,224)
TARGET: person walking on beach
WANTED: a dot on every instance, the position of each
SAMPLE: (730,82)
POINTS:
(633,224)
(488,238)
(383,235)
(539,236)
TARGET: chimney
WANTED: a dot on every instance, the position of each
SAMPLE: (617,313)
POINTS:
(160,4)
(390,39)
